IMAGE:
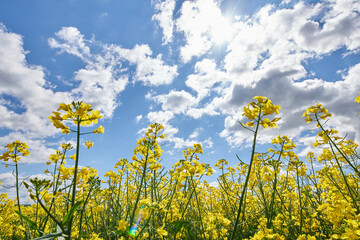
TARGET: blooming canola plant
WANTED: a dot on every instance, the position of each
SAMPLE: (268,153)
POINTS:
(274,195)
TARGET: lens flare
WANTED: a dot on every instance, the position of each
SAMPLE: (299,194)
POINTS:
(134,229)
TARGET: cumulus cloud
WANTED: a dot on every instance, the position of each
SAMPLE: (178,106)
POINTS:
(161,117)
(339,27)
(99,87)
(99,83)
(268,38)
(104,77)
(208,143)
(101,80)
(150,71)
(73,42)
(26,85)
(196,133)
(176,101)
(164,16)
(15,74)
(205,76)
(208,110)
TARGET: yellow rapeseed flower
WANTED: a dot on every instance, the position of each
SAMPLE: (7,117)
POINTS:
(100,129)
(89,144)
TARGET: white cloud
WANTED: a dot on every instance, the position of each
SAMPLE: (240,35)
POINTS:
(25,84)
(17,78)
(214,184)
(340,27)
(284,2)
(104,77)
(164,16)
(205,76)
(74,42)
(176,101)
(138,118)
(285,37)
(203,25)
(196,133)
(8,185)
(99,87)
(266,57)
(101,81)
(208,143)
(197,113)
(149,71)
(104,15)
(268,39)
(181,143)
(161,117)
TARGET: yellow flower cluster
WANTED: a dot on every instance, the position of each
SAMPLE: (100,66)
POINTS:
(14,151)
(316,111)
(10,224)
(149,149)
(77,112)
(256,110)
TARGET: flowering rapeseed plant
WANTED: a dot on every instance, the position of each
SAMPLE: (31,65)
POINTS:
(273,195)
(16,150)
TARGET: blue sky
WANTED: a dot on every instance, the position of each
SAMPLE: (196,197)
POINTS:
(191,65)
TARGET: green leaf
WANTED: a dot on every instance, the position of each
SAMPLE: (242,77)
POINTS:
(33,225)
(71,212)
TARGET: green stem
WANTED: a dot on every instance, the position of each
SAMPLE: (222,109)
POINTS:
(345,180)
(17,193)
(49,213)
(75,178)
(55,188)
(83,210)
(299,193)
(276,166)
(247,178)
(141,183)
(198,206)
(337,148)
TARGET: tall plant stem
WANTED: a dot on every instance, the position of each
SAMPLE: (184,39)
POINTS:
(337,148)
(18,194)
(141,183)
(247,178)
(75,178)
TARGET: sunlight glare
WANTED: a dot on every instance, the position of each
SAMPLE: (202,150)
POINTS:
(220,28)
